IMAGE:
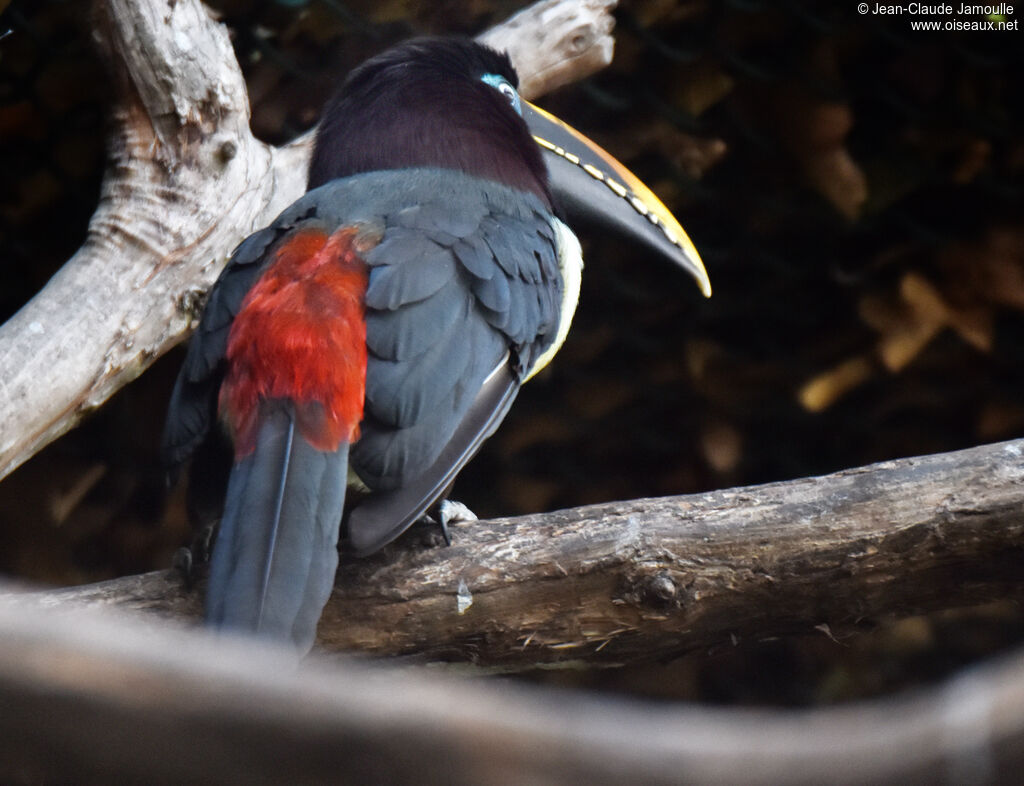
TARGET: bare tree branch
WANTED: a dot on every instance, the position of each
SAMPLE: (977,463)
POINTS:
(186,181)
(553,43)
(648,579)
(94,698)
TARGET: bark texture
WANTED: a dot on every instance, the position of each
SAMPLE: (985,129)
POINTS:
(649,579)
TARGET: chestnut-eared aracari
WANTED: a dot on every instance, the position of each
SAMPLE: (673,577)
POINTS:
(376,333)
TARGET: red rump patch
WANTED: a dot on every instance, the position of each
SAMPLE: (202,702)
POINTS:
(301,335)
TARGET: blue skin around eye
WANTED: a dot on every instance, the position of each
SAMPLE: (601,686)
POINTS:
(496,81)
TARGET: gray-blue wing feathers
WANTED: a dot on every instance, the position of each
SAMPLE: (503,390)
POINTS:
(465,278)
(461,279)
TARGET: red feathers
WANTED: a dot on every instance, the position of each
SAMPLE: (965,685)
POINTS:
(301,335)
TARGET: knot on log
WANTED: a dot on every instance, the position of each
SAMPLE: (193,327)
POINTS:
(661,587)
(656,590)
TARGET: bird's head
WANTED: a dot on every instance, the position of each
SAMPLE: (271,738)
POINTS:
(431,102)
(453,103)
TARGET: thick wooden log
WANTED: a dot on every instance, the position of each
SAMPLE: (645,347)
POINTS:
(186,182)
(648,579)
(90,698)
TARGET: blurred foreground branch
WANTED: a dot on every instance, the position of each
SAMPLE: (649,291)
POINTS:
(648,579)
(92,697)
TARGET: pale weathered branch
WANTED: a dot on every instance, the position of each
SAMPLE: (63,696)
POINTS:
(649,579)
(553,43)
(93,698)
(186,181)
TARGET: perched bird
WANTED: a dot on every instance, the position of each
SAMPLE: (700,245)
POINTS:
(377,332)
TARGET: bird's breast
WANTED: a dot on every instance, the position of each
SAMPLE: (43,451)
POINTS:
(570,267)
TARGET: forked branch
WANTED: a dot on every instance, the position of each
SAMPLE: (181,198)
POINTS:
(186,182)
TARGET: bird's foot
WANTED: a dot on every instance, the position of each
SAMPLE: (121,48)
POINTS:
(449,511)
(187,559)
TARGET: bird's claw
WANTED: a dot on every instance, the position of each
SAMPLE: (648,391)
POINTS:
(449,511)
(187,559)
(184,565)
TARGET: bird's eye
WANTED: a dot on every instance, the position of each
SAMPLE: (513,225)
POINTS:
(509,92)
(502,85)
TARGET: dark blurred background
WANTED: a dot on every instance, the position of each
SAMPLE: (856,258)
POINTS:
(855,188)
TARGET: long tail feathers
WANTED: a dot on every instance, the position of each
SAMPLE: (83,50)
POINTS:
(276,553)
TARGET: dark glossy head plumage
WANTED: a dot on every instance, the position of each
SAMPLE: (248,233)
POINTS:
(423,104)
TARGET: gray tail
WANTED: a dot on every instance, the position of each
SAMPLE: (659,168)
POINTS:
(276,553)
